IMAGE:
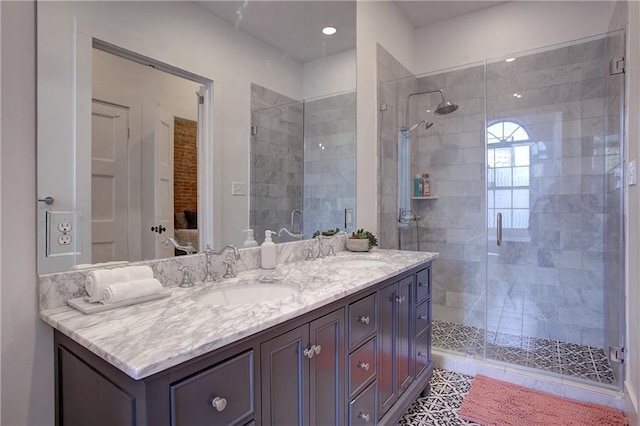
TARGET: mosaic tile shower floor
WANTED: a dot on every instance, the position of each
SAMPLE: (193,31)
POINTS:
(569,359)
(441,407)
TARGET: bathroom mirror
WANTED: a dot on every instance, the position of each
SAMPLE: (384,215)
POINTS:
(224,47)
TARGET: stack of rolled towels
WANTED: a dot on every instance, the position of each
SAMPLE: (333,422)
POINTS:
(120,284)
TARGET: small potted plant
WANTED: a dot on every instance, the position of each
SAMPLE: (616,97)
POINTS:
(361,240)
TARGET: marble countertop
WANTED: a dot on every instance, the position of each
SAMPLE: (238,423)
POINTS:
(148,338)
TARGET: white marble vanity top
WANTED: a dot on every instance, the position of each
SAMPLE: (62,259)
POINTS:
(145,339)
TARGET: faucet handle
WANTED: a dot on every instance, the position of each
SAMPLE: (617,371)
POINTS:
(331,251)
(187,279)
(309,251)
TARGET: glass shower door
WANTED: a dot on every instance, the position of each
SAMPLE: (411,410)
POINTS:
(554,211)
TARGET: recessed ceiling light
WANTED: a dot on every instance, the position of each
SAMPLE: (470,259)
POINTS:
(517,95)
(510,59)
(329,30)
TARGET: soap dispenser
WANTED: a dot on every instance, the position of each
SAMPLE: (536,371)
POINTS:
(250,241)
(268,251)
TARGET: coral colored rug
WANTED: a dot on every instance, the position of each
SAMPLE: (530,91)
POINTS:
(493,402)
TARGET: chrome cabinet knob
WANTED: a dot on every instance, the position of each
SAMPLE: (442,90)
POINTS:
(421,284)
(219,403)
(400,299)
(318,349)
(363,365)
(364,319)
(365,416)
(422,317)
(422,355)
(310,352)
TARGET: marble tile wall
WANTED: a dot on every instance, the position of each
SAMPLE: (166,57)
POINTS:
(395,83)
(547,280)
(329,162)
(277,158)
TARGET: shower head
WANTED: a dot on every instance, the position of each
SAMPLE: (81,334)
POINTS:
(427,124)
(445,107)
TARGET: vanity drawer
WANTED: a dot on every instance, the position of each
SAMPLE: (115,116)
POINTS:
(362,410)
(362,320)
(228,385)
(362,366)
(423,285)
(423,352)
(423,316)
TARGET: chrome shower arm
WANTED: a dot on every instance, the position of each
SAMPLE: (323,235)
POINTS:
(417,94)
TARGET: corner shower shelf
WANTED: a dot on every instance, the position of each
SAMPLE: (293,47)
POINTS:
(432,197)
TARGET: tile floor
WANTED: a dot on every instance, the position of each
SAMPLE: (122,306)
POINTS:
(441,407)
(569,359)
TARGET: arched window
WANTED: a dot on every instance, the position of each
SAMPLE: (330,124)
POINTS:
(508,175)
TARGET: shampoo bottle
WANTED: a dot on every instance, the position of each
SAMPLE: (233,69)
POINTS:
(268,251)
(417,186)
(250,241)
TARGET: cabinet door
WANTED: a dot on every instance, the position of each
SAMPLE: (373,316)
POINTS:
(388,314)
(326,379)
(404,360)
(285,379)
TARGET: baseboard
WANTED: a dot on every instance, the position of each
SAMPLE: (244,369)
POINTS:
(631,405)
(533,380)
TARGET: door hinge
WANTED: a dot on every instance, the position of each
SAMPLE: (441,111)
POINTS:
(254,130)
(201,99)
(128,132)
(383,107)
(616,65)
(616,354)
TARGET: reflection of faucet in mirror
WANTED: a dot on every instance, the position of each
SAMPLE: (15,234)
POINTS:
(296,229)
(187,249)
(299,235)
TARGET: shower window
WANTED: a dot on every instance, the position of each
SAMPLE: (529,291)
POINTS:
(508,159)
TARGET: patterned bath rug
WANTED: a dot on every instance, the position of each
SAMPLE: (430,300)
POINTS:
(497,403)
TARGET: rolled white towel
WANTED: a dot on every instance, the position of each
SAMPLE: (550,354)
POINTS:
(132,273)
(97,281)
(130,290)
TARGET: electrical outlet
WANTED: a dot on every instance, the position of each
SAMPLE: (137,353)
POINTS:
(238,188)
(64,239)
(64,226)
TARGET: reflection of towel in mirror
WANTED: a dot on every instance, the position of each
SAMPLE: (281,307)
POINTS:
(130,290)
(99,279)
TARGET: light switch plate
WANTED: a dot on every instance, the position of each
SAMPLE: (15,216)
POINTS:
(63,238)
(631,173)
(238,188)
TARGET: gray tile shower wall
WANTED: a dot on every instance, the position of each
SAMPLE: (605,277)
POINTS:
(329,161)
(276,160)
(395,83)
(547,280)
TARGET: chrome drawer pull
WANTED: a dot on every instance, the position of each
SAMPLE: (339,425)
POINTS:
(422,317)
(364,319)
(219,403)
(421,355)
(365,416)
(363,365)
(400,299)
(421,284)
(310,352)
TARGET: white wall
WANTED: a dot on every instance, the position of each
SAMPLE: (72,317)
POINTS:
(509,27)
(181,34)
(632,383)
(330,75)
(377,22)
(27,391)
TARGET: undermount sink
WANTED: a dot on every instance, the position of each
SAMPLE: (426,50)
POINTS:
(246,294)
(359,262)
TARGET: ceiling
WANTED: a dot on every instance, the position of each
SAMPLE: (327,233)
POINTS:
(295,26)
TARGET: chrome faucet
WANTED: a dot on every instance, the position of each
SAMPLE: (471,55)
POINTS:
(320,247)
(209,277)
(299,235)
(230,273)
(187,249)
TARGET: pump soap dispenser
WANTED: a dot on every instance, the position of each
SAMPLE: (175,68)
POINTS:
(250,241)
(268,251)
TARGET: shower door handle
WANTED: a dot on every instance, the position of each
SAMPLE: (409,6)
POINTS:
(499,228)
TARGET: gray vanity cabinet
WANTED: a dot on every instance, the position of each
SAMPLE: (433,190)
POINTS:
(395,353)
(302,374)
